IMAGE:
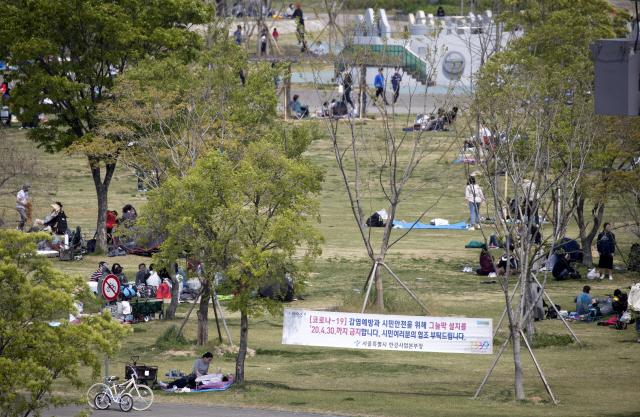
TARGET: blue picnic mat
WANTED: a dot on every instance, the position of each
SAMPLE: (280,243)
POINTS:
(457,226)
(202,390)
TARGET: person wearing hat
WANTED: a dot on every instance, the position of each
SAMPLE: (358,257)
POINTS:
(102,266)
(52,218)
(299,18)
(21,200)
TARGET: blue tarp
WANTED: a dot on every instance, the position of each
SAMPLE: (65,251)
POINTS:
(203,390)
(457,226)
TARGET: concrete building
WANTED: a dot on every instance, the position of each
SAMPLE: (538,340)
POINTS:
(462,45)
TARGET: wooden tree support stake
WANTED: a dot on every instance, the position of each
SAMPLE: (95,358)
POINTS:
(505,309)
(504,345)
(224,322)
(526,342)
(557,312)
(405,287)
(366,295)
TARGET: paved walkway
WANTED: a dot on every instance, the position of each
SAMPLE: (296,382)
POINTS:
(407,103)
(173,410)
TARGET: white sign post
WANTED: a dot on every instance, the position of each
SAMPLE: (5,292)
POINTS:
(377,331)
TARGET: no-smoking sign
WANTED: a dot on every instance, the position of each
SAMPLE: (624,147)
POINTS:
(110,287)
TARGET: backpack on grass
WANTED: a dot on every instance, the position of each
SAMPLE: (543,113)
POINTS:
(62,223)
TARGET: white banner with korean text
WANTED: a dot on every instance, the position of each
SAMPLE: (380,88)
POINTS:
(377,331)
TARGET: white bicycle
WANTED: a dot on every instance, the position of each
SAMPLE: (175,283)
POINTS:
(141,395)
(111,395)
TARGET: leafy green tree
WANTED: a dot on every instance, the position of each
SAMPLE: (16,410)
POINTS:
(244,215)
(66,51)
(33,354)
(172,113)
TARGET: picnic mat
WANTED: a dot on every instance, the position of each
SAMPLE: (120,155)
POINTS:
(467,160)
(457,226)
(216,386)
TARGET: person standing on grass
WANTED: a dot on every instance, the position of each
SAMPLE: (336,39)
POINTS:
(396,80)
(606,249)
(473,194)
(379,84)
(275,34)
(238,35)
(347,83)
(22,199)
(263,42)
(530,199)
(299,18)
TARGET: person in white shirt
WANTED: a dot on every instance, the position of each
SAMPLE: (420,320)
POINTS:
(126,308)
(154,279)
(290,12)
(21,200)
(530,199)
(473,194)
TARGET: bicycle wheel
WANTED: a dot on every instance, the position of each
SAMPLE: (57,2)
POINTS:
(126,402)
(94,390)
(142,397)
(102,401)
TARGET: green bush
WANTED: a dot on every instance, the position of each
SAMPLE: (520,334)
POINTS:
(167,340)
(542,340)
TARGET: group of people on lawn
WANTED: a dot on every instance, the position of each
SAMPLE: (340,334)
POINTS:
(565,253)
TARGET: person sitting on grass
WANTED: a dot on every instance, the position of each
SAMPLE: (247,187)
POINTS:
(126,309)
(102,266)
(562,269)
(200,367)
(302,111)
(583,300)
(51,219)
(512,264)
(118,271)
(486,263)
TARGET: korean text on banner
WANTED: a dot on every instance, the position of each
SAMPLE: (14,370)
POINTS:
(377,331)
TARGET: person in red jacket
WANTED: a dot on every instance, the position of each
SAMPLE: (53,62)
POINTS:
(486,264)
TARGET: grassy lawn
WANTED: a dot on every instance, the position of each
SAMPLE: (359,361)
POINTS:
(597,379)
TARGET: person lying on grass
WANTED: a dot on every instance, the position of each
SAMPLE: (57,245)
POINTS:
(200,367)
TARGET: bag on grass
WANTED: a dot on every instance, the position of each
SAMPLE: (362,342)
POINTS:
(375,221)
(592,274)
(626,317)
(62,222)
(91,246)
(194,284)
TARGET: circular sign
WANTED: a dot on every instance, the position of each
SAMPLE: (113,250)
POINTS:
(453,62)
(110,287)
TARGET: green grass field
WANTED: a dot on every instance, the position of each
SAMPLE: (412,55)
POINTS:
(597,379)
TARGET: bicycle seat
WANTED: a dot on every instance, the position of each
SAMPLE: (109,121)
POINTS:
(112,378)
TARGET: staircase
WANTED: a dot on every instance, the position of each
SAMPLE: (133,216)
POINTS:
(391,55)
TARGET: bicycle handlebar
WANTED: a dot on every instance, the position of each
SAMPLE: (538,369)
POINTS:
(133,371)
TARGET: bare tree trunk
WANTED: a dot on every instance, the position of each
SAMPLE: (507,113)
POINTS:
(175,294)
(379,292)
(242,353)
(530,326)
(102,190)
(517,359)
(586,239)
(203,312)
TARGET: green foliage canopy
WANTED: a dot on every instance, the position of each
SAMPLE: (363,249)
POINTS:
(34,354)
